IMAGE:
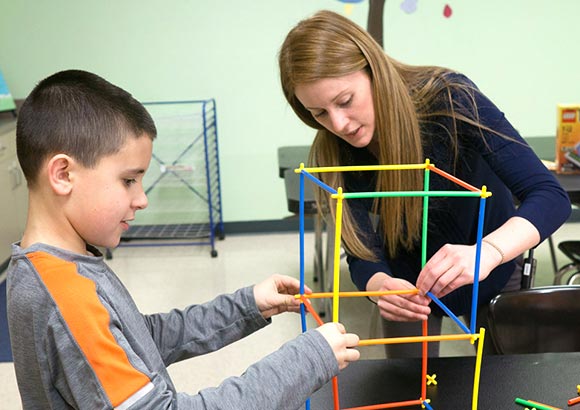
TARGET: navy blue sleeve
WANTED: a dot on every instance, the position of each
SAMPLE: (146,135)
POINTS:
(542,201)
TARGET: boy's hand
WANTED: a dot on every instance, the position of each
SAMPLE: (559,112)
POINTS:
(342,343)
(276,295)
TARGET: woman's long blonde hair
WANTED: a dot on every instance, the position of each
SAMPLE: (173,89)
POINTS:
(329,45)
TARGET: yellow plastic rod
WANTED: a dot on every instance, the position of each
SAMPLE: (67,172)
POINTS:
(314,170)
(475,396)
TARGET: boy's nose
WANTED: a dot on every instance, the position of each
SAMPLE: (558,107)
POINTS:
(141,201)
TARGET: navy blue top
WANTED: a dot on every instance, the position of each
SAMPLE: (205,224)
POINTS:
(509,168)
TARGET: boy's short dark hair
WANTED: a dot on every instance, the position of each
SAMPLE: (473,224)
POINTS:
(80,114)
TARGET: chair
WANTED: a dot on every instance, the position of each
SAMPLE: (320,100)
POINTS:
(538,320)
(569,273)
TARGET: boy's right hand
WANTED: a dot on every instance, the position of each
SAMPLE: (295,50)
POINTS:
(342,343)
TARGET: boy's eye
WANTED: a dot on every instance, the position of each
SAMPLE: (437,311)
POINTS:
(130,181)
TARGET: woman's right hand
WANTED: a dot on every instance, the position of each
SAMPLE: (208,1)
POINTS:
(342,343)
(399,308)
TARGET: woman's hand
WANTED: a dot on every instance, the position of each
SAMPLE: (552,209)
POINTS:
(400,308)
(453,266)
(276,295)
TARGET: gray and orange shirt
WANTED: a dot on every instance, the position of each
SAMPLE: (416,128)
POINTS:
(79,341)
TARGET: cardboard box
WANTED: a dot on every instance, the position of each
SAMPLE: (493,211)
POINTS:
(568,139)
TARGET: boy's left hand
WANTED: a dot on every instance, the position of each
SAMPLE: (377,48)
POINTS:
(276,295)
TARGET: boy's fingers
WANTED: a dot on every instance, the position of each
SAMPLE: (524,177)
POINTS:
(352,339)
(352,355)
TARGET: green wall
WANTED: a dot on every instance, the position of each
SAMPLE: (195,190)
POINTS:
(522,54)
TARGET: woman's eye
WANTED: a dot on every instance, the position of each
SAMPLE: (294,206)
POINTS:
(345,103)
(130,181)
(319,114)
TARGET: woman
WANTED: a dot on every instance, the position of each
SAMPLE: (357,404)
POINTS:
(371,109)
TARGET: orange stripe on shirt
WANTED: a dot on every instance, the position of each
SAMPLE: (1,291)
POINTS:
(88,321)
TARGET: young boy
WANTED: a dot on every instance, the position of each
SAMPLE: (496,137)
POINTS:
(78,339)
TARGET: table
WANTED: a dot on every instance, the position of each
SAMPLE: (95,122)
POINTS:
(548,378)
(289,158)
(571,184)
(545,148)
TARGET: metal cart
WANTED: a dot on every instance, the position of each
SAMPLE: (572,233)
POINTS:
(183,180)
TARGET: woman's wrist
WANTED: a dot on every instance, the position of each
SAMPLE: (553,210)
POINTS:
(496,248)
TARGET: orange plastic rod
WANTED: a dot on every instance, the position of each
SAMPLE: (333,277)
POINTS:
(335,393)
(453,179)
(388,405)
(311,310)
(424,361)
(321,295)
(575,400)
(413,339)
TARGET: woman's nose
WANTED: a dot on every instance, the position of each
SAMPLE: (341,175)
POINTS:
(338,121)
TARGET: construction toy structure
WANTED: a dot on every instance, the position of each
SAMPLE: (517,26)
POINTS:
(336,294)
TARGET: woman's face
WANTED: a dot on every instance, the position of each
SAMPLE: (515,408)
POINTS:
(342,105)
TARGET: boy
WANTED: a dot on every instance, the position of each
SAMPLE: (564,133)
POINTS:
(78,339)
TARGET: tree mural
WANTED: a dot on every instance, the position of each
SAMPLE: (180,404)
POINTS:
(375,20)
(376,11)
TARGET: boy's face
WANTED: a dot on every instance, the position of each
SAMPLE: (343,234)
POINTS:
(105,198)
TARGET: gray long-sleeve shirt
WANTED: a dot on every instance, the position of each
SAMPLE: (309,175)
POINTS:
(79,341)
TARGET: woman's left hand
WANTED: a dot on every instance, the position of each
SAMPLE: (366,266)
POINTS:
(453,266)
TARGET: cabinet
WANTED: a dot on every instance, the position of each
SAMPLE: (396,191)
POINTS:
(14,196)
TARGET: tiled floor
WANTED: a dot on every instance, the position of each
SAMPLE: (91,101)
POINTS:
(160,278)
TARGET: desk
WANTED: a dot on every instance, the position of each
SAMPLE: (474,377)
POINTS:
(571,184)
(290,158)
(545,148)
(548,378)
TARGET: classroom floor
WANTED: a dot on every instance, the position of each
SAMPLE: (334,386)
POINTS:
(161,278)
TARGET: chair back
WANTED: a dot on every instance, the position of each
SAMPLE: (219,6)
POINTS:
(537,320)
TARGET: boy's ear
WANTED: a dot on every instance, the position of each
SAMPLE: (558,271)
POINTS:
(58,168)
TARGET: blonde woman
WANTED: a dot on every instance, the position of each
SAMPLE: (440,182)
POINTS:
(371,109)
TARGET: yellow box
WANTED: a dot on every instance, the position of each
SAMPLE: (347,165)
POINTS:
(568,139)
